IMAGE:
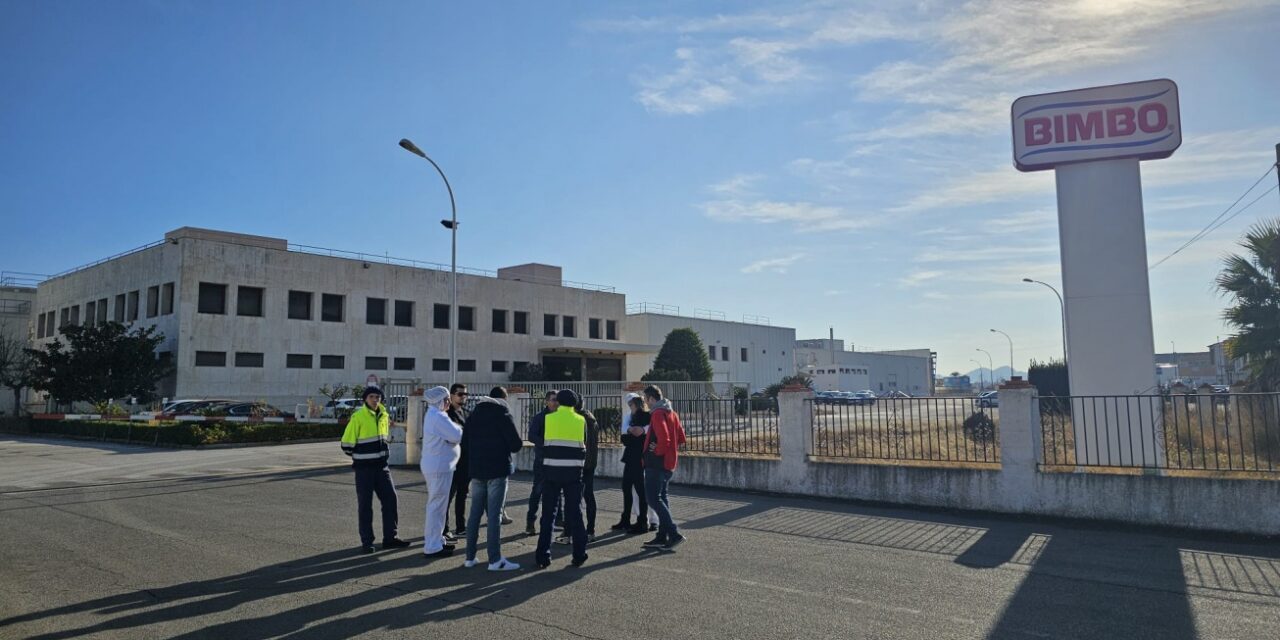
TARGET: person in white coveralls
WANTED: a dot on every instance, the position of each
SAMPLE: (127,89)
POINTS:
(441,437)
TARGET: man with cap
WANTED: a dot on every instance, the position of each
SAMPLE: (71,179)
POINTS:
(365,440)
(562,434)
(441,437)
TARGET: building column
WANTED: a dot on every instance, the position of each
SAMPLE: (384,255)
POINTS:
(1019,442)
(795,436)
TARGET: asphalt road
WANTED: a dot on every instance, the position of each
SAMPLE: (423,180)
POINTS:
(123,542)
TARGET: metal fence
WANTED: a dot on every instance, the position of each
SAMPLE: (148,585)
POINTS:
(919,429)
(1237,432)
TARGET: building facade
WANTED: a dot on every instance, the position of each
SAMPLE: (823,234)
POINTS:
(249,317)
(15,328)
(755,355)
(910,371)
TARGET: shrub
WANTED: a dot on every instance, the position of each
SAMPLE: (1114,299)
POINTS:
(609,419)
(979,427)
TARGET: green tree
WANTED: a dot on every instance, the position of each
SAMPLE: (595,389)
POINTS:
(682,350)
(800,379)
(528,373)
(664,375)
(1252,282)
(100,363)
(1050,378)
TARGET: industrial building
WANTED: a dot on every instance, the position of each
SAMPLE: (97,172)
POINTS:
(833,367)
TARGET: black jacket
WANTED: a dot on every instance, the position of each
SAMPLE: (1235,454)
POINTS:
(489,437)
(633,446)
(593,440)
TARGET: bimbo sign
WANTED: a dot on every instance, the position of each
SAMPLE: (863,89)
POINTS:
(1134,120)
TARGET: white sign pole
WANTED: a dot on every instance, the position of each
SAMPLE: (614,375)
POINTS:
(1108,307)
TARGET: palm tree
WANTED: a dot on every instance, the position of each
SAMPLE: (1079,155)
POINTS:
(1253,283)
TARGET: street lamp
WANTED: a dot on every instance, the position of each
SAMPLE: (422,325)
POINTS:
(1062,307)
(452,225)
(1006,337)
(990,365)
(982,384)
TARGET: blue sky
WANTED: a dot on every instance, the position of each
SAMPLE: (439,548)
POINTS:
(840,164)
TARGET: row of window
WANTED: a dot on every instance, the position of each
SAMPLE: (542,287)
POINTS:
(724,353)
(853,370)
(250,302)
(256,360)
(159,303)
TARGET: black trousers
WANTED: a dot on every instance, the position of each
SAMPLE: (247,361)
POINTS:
(458,495)
(589,498)
(371,481)
(633,480)
(558,483)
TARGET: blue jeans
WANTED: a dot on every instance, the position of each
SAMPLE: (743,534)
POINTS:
(487,498)
(655,491)
(371,480)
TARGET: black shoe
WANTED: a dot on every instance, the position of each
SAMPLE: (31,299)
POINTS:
(653,527)
(460,532)
(621,526)
(443,553)
(395,543)
(505,520)
(449,537)
(529,530)
(638,528)
(543,564)
(658,541)
(578,562)
(368,548)
(673,543)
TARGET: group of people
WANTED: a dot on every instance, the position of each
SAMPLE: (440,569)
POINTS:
(477,449)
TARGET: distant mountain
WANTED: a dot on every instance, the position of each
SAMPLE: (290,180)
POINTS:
(1001,373)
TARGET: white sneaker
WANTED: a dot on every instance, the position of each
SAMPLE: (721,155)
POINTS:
(469,563)
(503,565)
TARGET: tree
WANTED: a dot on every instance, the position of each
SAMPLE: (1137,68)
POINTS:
(800,379)
(664,375)
(1050,378)
(15,367)
(100,363)
(1252,282)
(682,350)
(528,373)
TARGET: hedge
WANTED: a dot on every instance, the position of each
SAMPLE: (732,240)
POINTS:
(179,434)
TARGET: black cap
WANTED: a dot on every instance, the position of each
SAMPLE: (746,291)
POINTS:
(566,398)
(369,391)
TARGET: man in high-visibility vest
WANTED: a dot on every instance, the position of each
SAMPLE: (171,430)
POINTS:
(365,440)
(563,438)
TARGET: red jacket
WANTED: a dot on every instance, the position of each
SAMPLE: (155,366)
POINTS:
(665,436)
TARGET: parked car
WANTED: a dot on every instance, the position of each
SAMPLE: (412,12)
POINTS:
(189,407)
(342,406)
(989,399)
(895,394)
(247,409)
(826,397)
(866,396)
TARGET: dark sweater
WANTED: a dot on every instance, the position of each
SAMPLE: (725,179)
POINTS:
(633,446)
(593,440)
(489,437)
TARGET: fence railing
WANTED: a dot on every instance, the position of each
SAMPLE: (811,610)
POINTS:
(1209,432)
(917,429)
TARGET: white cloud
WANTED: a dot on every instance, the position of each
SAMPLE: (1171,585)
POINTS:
(693,88)
(918,277)
(775,265)
(805,216)
(738,185)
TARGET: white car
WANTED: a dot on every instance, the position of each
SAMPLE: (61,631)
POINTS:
(989,399)
(343,405)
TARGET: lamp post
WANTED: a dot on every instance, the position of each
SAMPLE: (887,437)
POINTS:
(982,384)
(452,225)
(1062,308)
(990,365)
(1006,337)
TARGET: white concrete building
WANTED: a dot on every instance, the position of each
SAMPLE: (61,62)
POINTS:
(910,371)
(251,317)
(756,355)
(15,325)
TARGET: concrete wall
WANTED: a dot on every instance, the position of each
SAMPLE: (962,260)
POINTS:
(1016,486)
(769,349)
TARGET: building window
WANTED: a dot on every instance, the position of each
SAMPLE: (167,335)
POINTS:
(404,313)
(466,365)
(64,317)
(153,301)
(375,363)
(102,310)
(549,322)
(498,366)
(249,360)
(40,326)
(519,365)
(211,358)
(520,323)
(711,352)
(297,360)
(466,318)
(90,313)
(724,353)
(593,328)
(212,299)
(405,364)
(75,314)
(333,362)
(131,309)
(611,330)
(744,354)
(331,307)
(300,305)
(439,364)
(249,301)
(48,327)
(375,311)
(166,299)
(570,327)
(499,321)
(120,308)
(440,316)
